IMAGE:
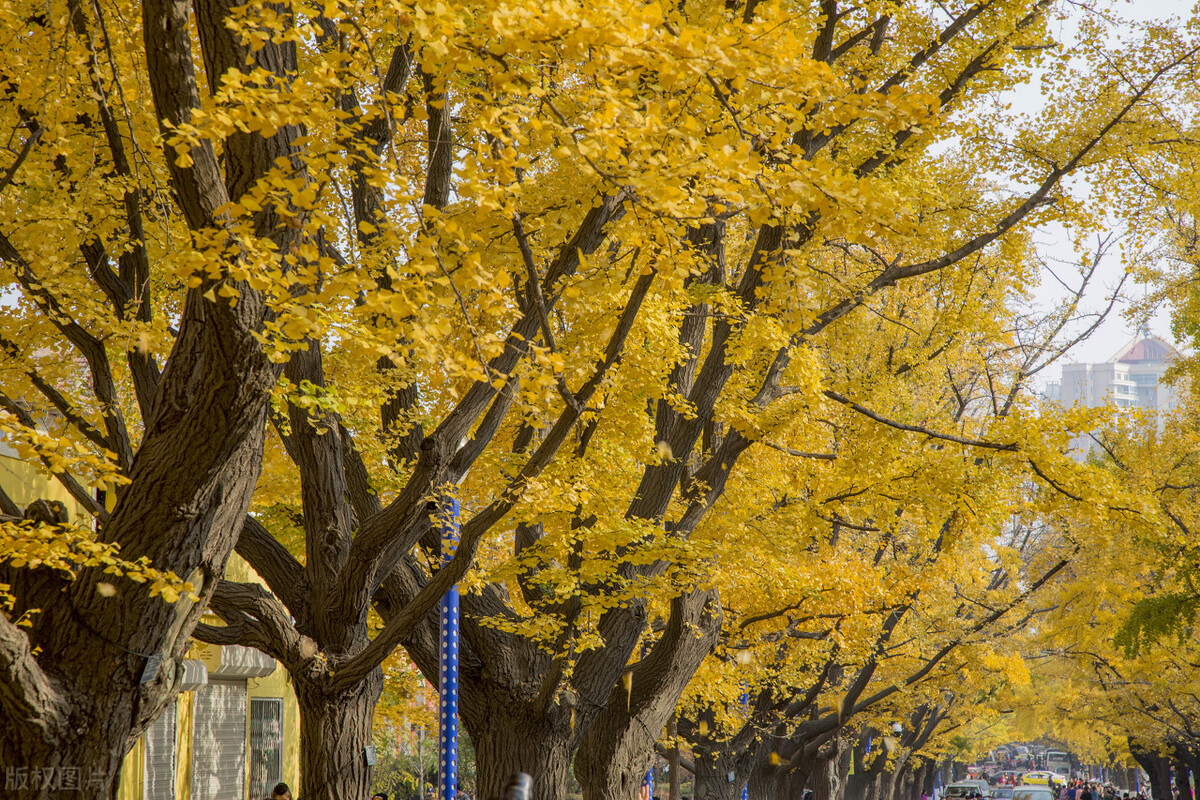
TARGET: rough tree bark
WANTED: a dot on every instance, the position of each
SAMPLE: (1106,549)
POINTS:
(338,727)
(618,748)
(1156,766)
(85,697)
(1182,763)
(827,777)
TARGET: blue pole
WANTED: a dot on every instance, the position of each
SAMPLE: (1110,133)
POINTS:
(448,684)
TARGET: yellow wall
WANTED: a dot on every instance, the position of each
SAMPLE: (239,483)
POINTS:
(276,685)
(133,770)
(24,483)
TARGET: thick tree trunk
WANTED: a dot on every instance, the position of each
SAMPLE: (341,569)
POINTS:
(1156,767)
(797,785)
(711,780)
(37,765)
(827,777)
(618,748)
(718,755)
(335,730)
(513,744)
(801,774)
(892,786)
(897,781)
(1183,783)
(864,781)
(922,781)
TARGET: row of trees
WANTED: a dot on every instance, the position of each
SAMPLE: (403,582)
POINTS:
(713,316)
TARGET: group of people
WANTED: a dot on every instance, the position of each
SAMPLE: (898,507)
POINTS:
(1090,790)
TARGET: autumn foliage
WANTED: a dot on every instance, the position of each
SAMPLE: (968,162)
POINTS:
(715,317)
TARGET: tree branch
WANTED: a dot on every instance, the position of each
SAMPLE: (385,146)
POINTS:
(947,437)
(27,695)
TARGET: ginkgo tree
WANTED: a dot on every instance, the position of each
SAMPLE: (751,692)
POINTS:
(865,550)
(569,261)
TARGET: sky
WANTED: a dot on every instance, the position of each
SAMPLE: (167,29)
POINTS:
(1055,247)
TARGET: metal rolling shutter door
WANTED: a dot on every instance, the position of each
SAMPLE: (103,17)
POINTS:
(219,742)
(160,756)
(266,745)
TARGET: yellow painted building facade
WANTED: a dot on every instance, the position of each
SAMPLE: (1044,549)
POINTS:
(232,736)
(191,774)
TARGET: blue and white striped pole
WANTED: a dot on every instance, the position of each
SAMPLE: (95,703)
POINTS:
(448,685)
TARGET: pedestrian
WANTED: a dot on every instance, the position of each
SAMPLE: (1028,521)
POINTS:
(281,792)
(379,796)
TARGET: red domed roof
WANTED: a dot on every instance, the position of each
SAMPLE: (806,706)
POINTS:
(1145,350)
(1148,350)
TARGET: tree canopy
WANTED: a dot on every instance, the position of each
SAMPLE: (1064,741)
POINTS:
(714,316)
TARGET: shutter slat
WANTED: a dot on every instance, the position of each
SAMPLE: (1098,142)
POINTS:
(266,745)
(160,757)
(219,742)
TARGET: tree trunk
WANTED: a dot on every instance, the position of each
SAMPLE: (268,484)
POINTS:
(826,778)
(1156,767)
(335,730)
(618,747)
(711,780)
(745,754)
(864,781)
(673,761)
(90,756)
(1183,782)
(512,744)
(922,781)
(797,785)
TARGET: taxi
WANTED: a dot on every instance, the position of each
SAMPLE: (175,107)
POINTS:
(1039,778)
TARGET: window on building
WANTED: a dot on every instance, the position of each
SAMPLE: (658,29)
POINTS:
(160,757)
(266,745)
(219,741)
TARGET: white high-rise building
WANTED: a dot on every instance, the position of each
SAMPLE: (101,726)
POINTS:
(1132,378)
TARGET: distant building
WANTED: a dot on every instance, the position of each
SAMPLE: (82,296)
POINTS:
(1132,378)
